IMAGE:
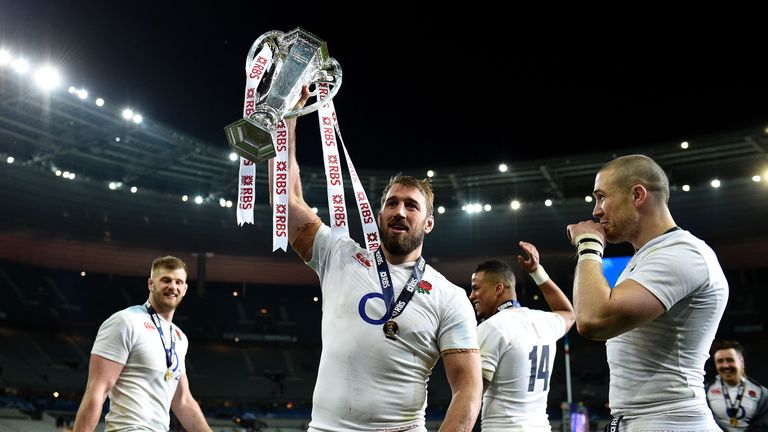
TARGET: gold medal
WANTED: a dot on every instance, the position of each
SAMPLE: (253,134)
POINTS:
(390,329)
(168,374)
(734,421)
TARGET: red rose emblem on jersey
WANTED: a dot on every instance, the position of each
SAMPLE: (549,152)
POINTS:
(752,394)
(424,287)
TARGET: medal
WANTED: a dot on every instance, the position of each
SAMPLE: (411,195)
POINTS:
(168,352)
(390,329)
(733,408)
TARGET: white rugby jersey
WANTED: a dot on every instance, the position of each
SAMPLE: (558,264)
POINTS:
(518,347)
(365,381)
(141,396)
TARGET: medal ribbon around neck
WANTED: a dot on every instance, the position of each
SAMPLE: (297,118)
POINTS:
(167,352)
(508,304)
(394,309)
(732,408)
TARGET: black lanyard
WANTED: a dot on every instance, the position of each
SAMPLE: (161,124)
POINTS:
(168,352)
(732,408)
(508,304)
(394,309)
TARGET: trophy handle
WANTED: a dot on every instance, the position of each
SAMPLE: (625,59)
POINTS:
(331,75)
(272,38)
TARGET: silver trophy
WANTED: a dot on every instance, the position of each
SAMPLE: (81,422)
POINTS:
(299,59)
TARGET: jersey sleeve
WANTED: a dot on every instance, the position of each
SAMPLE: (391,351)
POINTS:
(491,342)
(321,250)
(671,272)
(458,328)
(114,339)
(555,325)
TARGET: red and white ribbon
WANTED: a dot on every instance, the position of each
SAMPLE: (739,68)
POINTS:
(337,208)
(245,194)
(280,187)
(367,216)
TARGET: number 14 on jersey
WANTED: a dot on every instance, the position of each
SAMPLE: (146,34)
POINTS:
(539,367)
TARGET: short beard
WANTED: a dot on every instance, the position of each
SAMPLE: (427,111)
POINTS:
(404,244)
(159,301)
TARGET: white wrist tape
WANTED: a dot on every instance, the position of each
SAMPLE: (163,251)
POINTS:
(539,275)
(590,256)
(589,247)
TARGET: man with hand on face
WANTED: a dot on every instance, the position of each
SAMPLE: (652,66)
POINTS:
(737,402)
(661,317)
(517,344)
(380,340)
(138,361)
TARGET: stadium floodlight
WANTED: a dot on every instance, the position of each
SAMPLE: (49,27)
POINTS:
(473,208)
(82,94)
(5,57)
(99,102)
(137,118)
(127,113)
(47,78)
(20,65)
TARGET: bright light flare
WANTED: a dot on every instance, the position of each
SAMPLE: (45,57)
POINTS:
(47,78)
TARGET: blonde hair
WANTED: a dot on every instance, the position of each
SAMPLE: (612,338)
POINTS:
(168,262)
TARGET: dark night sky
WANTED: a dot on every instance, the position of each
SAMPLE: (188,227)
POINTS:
(499,86)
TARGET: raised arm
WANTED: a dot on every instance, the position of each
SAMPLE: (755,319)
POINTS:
(554,296)
(303,223)
(102,376)
(463,372)
(186,408)
(602,312)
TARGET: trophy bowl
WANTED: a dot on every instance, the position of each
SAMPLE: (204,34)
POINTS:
(299,59)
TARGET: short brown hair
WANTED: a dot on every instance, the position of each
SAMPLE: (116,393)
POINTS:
(168,262)
(422,186)
(726,344)
(637,168)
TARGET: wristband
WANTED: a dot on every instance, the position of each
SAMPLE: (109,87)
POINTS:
(539,275)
